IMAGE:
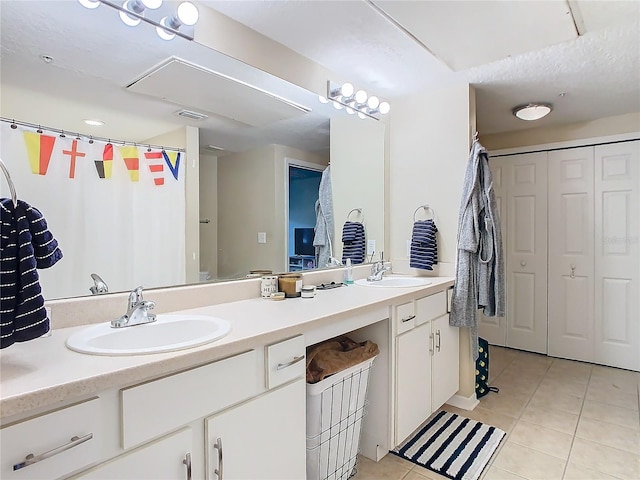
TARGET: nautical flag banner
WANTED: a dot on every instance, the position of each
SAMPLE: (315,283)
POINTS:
(101,199)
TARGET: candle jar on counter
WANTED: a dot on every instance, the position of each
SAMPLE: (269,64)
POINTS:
(290,284)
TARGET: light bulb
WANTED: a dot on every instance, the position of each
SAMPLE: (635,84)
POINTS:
(89,3)
(188,13)
(346,90)
(126,18)
(323,99)
(337,105)
(162,33)
(373,102)
(384,108)
(361,96)
(361,115)
(350,111)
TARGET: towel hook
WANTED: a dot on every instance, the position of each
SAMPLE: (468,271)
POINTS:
(426,208)
(359,210)
(12,188)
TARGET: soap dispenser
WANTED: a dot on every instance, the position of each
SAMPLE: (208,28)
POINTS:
(348,273)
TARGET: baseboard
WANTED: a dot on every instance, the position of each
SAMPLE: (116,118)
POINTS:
(465,403)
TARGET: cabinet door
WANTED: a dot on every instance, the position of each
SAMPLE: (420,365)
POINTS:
(162,459)
(445,372)
(261,439)
(413,380)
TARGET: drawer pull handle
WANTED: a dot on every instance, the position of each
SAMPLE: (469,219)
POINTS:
(31,458)
(437,340)
(218,446)
(431,343)
(410,317)
(282,366)
(187,462)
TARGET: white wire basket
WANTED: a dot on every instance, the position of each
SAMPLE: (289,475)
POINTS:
(335,409)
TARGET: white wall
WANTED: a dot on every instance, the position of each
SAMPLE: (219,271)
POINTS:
(601,127)
(209,210)
(429,149)
(357,177)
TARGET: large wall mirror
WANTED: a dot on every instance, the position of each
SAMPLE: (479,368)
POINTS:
(63,63)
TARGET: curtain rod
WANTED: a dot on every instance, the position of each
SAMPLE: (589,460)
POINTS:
(566,148)
(89,137)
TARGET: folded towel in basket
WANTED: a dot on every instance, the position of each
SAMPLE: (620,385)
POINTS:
(424,248)
(335,355)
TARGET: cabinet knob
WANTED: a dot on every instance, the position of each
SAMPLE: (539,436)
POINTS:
(523,263)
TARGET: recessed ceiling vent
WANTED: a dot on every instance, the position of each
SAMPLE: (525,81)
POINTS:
(191,114)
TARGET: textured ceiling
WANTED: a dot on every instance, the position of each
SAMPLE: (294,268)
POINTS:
(599,72)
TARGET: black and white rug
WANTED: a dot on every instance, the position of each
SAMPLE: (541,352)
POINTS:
(456,447)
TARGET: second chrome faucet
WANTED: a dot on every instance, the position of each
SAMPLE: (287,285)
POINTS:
(137,311)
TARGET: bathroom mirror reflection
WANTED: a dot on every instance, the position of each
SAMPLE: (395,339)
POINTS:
(92,71)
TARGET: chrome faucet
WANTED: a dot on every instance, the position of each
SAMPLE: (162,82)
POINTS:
(377,271)
(99,285)
(137,311)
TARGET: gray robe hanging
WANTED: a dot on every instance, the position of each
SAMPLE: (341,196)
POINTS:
(324,229)
(480,263)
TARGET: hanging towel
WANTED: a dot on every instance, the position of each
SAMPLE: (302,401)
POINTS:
(424,247)
(323,237)
(26,245)
(479,262)
(353,242)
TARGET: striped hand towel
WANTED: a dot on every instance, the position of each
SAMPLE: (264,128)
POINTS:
(26,244)
(424,246)
(353,241)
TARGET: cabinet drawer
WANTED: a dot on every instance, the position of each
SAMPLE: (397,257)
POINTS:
(284,361)
(405,316)
(154,408)
(51,434)
(431,307)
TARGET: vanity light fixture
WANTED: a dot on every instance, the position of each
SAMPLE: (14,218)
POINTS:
(132,12)
(358,101)
(532,111)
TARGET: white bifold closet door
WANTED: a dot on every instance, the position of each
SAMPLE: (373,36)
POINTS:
(617,259)
(526,252)
(571,250)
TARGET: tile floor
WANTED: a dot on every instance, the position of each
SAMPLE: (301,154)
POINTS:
(564,420)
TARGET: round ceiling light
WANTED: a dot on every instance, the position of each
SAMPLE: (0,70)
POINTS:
(532,111)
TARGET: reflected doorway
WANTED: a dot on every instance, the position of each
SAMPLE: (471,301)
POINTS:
(303,183)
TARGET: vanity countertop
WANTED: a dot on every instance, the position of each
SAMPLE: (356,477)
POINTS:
(43,372)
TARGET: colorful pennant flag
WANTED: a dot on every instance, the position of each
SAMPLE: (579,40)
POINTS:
(156,166)
(173,162)
(131,161)
(105,166)
(73,153)
(39,149)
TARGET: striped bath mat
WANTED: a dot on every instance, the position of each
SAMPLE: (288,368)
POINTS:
(456,447)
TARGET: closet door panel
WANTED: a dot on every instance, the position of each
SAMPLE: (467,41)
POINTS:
(617,259)
(526,250)
(494,329)
(571,239)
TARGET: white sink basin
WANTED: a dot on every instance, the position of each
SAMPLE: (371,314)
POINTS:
(168,333)
(395,281)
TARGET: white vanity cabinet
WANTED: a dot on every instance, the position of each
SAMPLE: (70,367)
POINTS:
(263,438)
(169,458)
(426,361)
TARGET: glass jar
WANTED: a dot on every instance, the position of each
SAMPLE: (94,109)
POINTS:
(290,284)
